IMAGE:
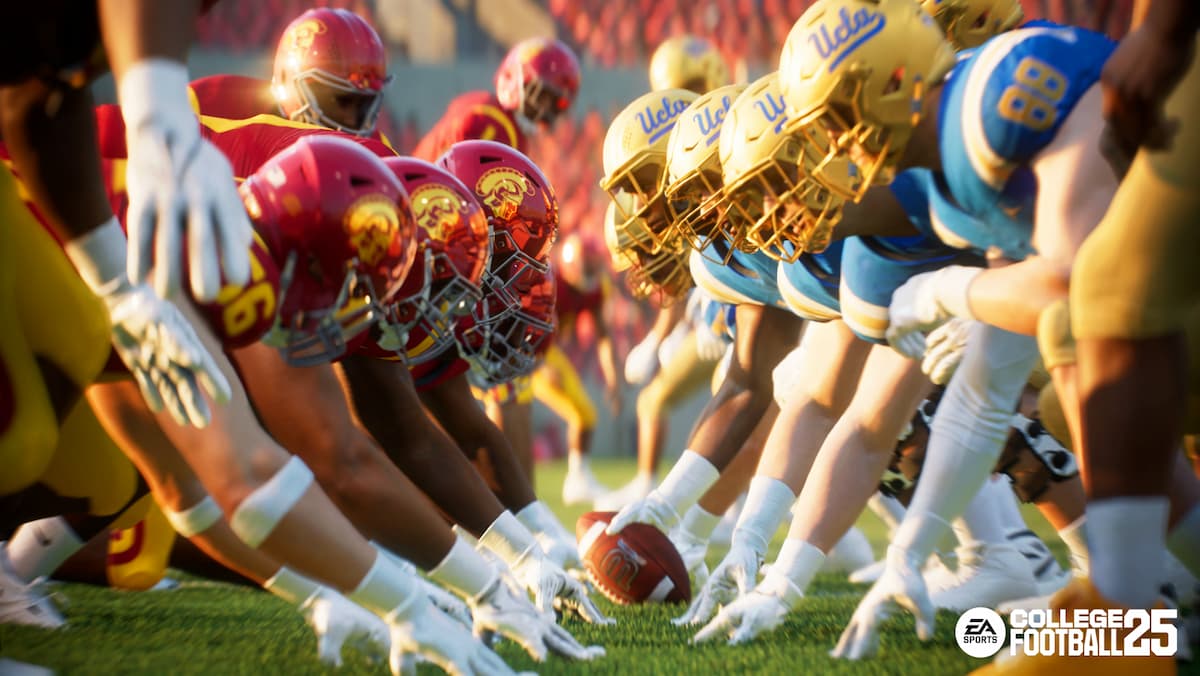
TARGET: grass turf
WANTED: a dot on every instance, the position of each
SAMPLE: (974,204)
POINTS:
(209,628)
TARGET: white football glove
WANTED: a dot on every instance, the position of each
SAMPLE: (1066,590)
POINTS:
(735,576)
(693,551)
(338,621)
(501,611)
(421,629)
(755,613)
(550,584)
(691,476)
(151,336)
(710,347)
(944,348)
(642,361)
(926,301)
(900,586)
(181,188)
(551,536)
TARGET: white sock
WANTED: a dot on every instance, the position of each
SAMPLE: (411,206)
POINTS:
(577,462)
(291,586)
(1006,506)
(1127,538)
(39,547)
(981,521)
(1074,536)
(1184,541)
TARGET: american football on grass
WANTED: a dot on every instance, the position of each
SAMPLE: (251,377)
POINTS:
(638,565)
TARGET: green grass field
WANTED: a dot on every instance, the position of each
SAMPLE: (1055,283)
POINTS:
(210,628)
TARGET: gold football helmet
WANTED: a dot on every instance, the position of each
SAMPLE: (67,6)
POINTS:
(635,161)
(663,276)
(688,62)
(857,71)
(970,23)
(772,203)
(693,181)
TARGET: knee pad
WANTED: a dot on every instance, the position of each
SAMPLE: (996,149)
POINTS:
(1033,459)
(261,511)
(902,472)
(1055,340)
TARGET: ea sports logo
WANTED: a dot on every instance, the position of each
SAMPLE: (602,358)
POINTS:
(980,632)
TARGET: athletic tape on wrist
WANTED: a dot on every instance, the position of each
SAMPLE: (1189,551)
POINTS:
(195,519)
(262,510)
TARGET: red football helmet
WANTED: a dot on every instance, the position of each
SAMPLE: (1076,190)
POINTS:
(539,79)
(522,210)
(341,53)
(453,252)
(339,225)
(501,350)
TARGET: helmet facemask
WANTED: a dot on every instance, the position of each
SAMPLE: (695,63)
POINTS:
(309,337)
(312,111)
(641,179)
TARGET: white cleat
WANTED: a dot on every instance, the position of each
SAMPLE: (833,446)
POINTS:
(339,622)
(637,488)
(987,575)
(868,574)
(1049,575)
(1184,584)
(851,554)
(25,603)
(580,486)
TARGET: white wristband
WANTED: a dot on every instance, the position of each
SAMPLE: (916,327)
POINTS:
(953,286)
(195,519)
(153,89)
(464,571)
(798,562)
(699,524)
(388,591)
(99,257)
(508,539)
(537,517)
(767,503)
(691,476)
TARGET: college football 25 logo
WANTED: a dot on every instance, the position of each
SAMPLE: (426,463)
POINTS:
(502,190)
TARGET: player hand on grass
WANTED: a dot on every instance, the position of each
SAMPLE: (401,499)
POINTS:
(925,302)
(432,635)
(502,611)
(900,586)
(549,583)
(735,576)
(181,189)
(152,337)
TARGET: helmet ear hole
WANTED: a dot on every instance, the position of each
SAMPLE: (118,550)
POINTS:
(894,82)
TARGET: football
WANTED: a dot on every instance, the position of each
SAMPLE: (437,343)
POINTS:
(638,565)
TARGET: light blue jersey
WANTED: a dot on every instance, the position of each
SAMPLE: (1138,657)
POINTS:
(809,286)
(1002,104)
(747,279)
(874,267)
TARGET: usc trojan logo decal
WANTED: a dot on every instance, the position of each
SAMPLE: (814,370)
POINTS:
(302,34)
(621,565)
(502,190)
(436,209)
(372,224)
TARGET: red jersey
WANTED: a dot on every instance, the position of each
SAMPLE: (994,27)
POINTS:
(234,97)
(570,302)
(474,116)
(237,97)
